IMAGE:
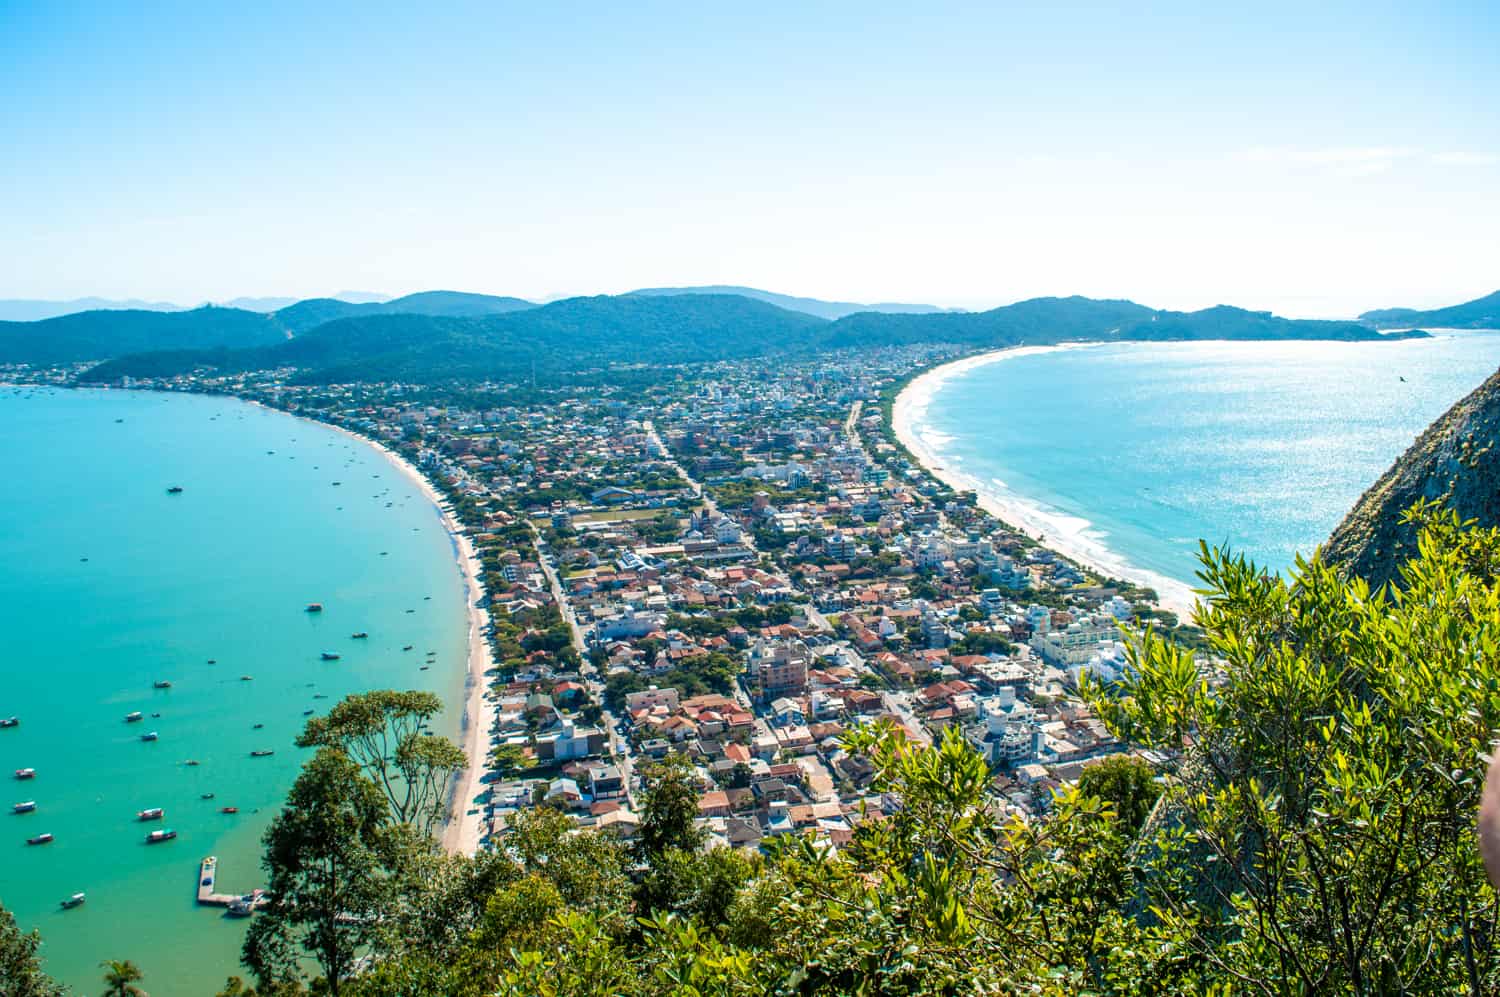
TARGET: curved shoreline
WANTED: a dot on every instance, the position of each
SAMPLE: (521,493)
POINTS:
(1067,535)
(462,830)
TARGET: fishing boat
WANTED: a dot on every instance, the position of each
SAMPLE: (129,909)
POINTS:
(314,607)
(240,907)
(406,648)
(24,808)
(133,716)
(263,753)
(192,763)
(229,810)
(156,837)
(76,900)
(161,684)
(25,773)
(150,813)
(175,490)
(39,839)
(206,796)
(330,656)
(150,735)
(307,713)
(10,722)
(247,678)
(361,635)
(256,726)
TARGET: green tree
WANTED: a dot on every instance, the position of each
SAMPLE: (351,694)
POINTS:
(324,856)
(1321,812)
(20,970)
(1126,783)
(669,809)
(120,978)
(385,732)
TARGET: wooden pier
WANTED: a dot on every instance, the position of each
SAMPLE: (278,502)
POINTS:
(208,874)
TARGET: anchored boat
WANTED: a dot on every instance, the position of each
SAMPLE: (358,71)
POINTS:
(156,837)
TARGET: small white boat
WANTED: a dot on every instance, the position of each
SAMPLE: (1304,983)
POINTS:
(25,773)
(76,900)
(24,808)
(158,836)
(150,813)
(133,716)
(10,722)
(40,839)
(150,735)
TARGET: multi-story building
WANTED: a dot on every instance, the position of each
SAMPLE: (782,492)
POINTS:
(780,667)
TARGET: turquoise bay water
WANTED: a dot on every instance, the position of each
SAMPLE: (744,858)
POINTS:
(222,571)
(1138,450)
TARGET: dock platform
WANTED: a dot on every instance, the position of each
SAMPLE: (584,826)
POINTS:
(208,875)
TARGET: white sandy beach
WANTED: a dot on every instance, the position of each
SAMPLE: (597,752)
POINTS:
(1068,535)
(464,829)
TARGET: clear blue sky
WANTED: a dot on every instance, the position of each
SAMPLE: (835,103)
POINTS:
(1313,158)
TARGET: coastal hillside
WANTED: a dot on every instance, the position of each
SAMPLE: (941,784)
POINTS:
(1481,313)
(566,336)
(95,334)
(1454,461)
(563,336)
(811,306)
(1226,322)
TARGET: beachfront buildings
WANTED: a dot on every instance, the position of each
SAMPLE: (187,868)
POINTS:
(740,566)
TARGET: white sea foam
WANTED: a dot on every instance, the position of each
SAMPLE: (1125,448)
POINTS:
(1070,535)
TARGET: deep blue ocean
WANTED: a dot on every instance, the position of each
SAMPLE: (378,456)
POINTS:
(108,584)
(1134,452)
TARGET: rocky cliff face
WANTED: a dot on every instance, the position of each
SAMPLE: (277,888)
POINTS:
(1456,461)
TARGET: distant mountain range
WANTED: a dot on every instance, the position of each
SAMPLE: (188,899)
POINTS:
(445,336)
(428,302)
(28,310)
(35,310)
(811,306)
(1481,313)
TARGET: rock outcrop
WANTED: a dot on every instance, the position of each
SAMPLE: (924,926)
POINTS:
(1455,461)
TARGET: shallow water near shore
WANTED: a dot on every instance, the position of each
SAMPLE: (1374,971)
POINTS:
(108,584)
(1129,453)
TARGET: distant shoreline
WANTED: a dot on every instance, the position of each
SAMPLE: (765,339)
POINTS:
(1065,535)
